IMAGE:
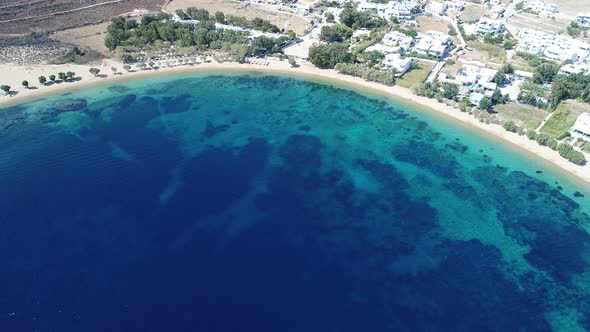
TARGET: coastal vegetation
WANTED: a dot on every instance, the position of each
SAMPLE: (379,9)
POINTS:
(158,34)
(359,20)
(78,56)
(383,76)
(329,55)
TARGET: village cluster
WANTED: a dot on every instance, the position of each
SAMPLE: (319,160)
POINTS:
(404,48)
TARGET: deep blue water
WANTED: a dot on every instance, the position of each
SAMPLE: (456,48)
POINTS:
(263,203)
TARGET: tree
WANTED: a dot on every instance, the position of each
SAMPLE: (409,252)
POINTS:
(452,30)
(411,32)
(485,104)
(114,70)
(497,97)
(220,17)
(153,64)
(94,71)
(510,126)
(568,152)
(127,67)
(70,75)
(62,76)
(509,44)
(261,45)
(327,56)
(499,77)
(141,65)
(545,72)
(42,79)
(25,83)
(507,69)
(450,90)
(464,104)
(329,17)
(372,57)
(181,14)
(5,88)
(335,33)
(52,78)
(292,61)
(542,139)
(531,134)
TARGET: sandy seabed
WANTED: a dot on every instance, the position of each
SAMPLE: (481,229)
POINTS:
(15,74)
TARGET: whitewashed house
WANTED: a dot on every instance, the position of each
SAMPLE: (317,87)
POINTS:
(398,39)
(522,75)
(455,6)
(542,7)
(401,65)
(401,9)
(477,78)
(575,68)
(433,43)
(581,128)
(487,26)
(583,19)
(382,49)
(437,8)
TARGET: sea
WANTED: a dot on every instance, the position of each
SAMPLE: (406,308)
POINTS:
(253,202)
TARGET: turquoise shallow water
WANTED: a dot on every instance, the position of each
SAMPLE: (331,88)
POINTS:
(253,202)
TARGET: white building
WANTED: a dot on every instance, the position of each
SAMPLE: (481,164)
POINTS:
(522,75)
(400,64)
(555,46)
(575,68)
(487,26)
(455,6)
(433,43)
(541,7)
(497,11)
(581,128)
(335,12)
(401,9)
(477,78)
(398,39)
(360,33)
(475,98)
(437,8)
(583,19)
(382,49)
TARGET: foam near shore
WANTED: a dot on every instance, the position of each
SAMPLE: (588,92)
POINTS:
(14,75)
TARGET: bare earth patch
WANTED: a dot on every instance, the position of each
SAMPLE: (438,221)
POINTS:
(91,36)
(281,18)
(531,21)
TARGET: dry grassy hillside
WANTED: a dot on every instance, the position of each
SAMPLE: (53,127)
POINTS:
(23,17)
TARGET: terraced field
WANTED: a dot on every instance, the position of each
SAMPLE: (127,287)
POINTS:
(22,17)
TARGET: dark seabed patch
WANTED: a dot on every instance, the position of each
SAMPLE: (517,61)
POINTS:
(263,203)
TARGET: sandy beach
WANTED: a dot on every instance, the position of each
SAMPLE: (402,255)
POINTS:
(13,76)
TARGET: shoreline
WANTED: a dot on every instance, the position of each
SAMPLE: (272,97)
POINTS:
(306,71)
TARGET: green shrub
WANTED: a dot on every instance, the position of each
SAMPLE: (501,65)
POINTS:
(386,77)
(510,126)
(568,152)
